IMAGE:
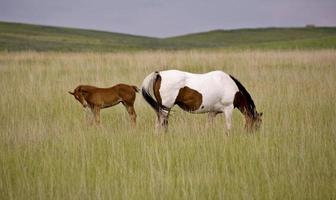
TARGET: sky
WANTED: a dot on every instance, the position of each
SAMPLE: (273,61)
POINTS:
(166,18)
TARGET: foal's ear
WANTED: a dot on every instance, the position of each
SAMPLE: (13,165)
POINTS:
(72,93)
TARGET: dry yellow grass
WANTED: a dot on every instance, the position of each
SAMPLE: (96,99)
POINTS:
(47,150)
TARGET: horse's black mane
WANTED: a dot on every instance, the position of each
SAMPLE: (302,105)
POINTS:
(246,94)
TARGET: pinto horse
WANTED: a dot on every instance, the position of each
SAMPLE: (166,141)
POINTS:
(214,92)
(98,98)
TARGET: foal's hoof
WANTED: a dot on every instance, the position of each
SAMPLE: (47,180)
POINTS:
(227,132)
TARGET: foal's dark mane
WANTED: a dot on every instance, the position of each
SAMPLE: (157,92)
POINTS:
(251,107)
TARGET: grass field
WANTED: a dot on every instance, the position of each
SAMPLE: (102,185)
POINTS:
(48,151)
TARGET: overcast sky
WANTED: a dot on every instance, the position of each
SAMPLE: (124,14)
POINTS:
(163,18)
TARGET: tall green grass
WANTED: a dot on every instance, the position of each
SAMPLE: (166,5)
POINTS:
(48,151)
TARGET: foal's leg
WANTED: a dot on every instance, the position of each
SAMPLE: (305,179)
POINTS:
(89,115)
(96,112)
(131,113)
(228,115)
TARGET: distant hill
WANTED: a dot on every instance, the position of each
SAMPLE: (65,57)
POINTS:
(270,38)
(22,37)
(17,37)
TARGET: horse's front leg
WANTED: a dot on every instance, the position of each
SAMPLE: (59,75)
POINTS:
(211,117)
(228,116)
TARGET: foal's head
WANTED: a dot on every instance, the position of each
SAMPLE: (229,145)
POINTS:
(78,94)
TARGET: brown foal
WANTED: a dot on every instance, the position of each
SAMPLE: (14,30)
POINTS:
(98,98)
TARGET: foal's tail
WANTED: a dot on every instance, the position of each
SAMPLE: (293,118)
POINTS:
(136,89)
(147,89)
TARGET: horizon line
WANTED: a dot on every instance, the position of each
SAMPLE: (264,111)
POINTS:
(173,36)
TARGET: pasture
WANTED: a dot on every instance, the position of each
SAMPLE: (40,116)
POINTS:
(48,150)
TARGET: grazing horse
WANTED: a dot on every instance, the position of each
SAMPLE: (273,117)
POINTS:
(214,92)
(98,98)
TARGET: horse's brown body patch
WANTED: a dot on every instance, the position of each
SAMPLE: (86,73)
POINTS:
(99,98)
(188,99)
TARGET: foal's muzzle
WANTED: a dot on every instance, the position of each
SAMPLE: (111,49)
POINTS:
(85,104)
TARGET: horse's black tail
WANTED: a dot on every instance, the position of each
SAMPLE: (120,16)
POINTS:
(147,89)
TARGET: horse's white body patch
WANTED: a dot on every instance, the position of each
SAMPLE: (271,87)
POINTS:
(217,89)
